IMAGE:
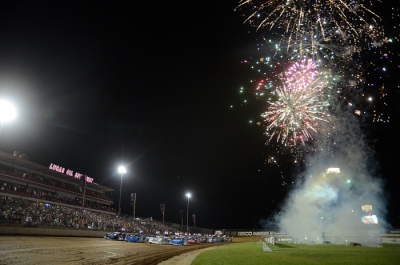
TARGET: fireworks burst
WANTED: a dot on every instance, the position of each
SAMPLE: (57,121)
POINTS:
(306,23)
(305,101)
(300,108)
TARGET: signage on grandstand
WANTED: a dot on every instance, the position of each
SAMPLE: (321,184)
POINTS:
(69,172)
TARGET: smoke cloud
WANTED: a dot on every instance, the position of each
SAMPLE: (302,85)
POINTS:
(326,205)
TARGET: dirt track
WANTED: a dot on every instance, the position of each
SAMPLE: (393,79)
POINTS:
(73,250)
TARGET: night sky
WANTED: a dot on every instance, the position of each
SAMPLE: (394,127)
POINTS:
(150,86)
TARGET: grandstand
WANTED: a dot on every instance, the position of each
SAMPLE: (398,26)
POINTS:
(24,179)
(34,195)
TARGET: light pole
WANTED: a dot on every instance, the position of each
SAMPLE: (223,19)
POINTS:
(162,207)
(187,213)
(121,170)
(133,203)
(181,214)
(7,112)
(194,222)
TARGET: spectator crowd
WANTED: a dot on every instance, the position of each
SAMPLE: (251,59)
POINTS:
(35,213)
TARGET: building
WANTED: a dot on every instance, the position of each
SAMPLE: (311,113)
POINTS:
(53,184)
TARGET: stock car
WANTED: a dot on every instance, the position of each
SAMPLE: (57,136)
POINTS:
(179,241)
(135,238)
(226,239)
(211,239)
(115,236)
(203,239)
(161,240)
(216,239)
(149,238)
(193,240)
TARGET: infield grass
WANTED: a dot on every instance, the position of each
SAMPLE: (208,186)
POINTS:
(299,254)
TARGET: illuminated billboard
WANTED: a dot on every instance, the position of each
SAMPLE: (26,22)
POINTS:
(331,170)
(366,208)
(370,219)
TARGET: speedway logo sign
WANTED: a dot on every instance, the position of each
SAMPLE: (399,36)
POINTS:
(69,172)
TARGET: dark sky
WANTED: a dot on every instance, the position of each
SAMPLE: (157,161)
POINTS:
(147,85)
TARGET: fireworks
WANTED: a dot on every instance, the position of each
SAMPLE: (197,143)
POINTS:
(299,108)
(307,24)
(315,58)
(325,68)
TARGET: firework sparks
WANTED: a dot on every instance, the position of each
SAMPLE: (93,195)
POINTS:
(335,22)
(305,100)
(299,109)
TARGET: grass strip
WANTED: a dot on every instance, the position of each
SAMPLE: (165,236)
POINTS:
(288,254)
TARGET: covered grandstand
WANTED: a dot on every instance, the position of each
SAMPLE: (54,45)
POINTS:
(23,178)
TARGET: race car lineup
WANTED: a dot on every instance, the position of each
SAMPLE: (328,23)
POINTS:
(178,240)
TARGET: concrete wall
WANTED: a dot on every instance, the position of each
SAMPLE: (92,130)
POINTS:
(40,231)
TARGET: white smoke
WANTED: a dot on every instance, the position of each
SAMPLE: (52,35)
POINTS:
(327,206)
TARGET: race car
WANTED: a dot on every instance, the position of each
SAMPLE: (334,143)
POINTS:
(226,239)
(179,241)
(216,239)
(135,238)
(203,239)
(161,240)
(149,238)
(115,236)
(213,239)
(193,240)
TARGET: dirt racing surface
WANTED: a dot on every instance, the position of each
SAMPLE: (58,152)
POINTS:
(76,250)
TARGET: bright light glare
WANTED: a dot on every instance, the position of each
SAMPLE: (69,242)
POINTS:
(122,170)
(7,111)
(188,195)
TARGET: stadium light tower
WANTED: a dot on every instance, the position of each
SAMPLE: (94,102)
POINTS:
(187,213)
(7,112)
(122,171)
